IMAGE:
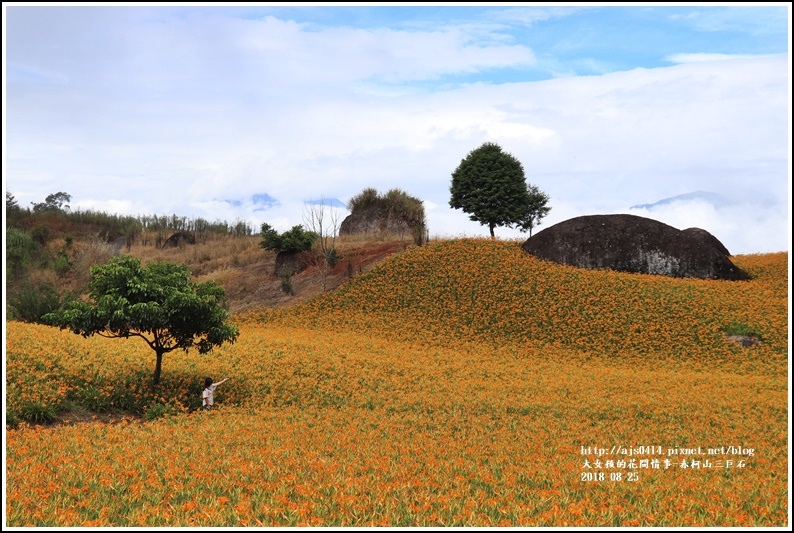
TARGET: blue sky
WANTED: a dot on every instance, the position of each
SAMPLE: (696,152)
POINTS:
(247,112)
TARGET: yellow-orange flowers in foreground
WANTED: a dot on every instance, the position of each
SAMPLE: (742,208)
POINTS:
(459,384)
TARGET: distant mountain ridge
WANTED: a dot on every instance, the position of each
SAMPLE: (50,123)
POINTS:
(716,199)
(264,201)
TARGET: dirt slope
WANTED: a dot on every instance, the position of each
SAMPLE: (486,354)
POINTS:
(255,285)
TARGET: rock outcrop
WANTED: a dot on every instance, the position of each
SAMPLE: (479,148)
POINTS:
(291,263)
(179,238)
(372,220)
(629,243)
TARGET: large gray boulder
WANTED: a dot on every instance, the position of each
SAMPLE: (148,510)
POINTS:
(629,243)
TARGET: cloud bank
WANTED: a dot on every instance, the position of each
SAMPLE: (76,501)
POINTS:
(196,112)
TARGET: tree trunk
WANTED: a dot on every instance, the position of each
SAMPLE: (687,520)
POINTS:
(491,226)
(158,365)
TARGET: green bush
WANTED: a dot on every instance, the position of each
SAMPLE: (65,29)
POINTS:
(30,303)
(365,198)
(296,239)
(62,263)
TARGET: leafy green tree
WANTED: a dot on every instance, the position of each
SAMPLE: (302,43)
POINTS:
(536,209)
(58,201)
(490,186)
(270,237)
(158,303)
(13,211)
(11,202)
(294,240)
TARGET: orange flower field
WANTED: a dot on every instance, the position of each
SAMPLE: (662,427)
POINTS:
(463,383)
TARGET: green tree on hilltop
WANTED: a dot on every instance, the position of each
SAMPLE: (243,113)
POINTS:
(536,209)
(490,186)
(57,202)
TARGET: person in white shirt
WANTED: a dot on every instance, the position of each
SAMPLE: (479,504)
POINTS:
(209,392)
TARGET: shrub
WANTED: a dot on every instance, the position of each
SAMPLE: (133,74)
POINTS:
(62,264)
(296,239)
(364,199)
(30,303)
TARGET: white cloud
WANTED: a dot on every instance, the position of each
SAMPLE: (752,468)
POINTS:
(741,19)
(701,57)
(290,53)
(743,228)
(178,116)
(529,16)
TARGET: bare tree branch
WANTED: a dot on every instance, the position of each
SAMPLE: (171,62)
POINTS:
(324,220)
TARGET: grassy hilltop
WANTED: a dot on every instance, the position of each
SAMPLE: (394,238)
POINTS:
(490,292)
(461,383)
